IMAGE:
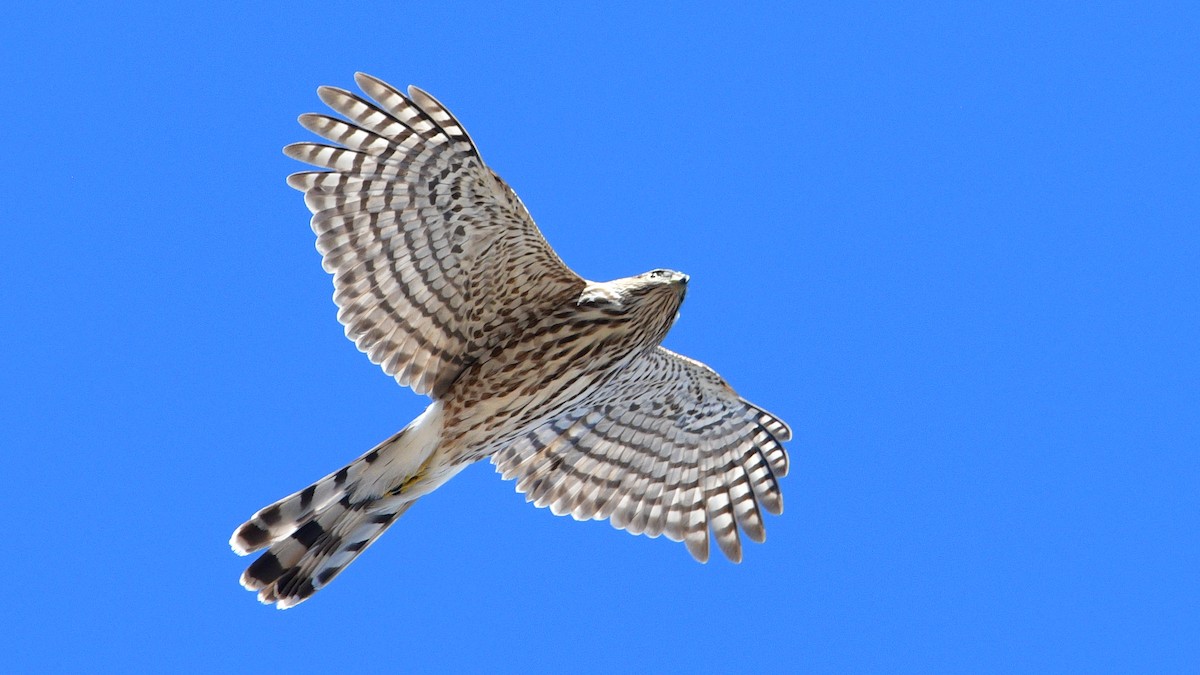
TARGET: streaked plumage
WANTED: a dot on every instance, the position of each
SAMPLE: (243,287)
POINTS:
(442,278)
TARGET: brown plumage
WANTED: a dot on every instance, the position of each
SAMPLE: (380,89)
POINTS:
(442,278)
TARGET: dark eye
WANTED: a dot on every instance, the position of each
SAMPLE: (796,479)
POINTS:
(659,273)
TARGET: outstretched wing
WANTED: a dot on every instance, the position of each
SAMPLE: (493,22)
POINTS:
(665,448)
(434,258)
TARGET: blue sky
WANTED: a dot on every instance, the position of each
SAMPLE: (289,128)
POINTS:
(955,248)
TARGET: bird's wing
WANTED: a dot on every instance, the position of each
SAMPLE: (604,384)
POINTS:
(434,258)
(667,447)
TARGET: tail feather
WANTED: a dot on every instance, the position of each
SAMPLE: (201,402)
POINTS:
(286,516)
(294,569)
(312,535)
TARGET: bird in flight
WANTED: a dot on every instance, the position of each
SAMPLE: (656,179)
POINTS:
(442,278)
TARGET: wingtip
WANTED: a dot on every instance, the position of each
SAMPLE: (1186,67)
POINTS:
(295,150)
(368,82)
(296,181)
(698,547)
(332,96)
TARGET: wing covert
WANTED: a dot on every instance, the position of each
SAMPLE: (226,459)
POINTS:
(434,258)
(667,447)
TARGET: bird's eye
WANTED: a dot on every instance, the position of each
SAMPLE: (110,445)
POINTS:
(658,273)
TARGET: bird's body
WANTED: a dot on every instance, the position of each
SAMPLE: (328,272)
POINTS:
(442,279)
(553,366)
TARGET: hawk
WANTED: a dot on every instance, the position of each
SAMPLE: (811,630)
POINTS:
(443,280)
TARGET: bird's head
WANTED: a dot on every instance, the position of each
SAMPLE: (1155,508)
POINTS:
(650,300)
(660,286)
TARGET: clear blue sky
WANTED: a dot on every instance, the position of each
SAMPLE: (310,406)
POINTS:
(955,248)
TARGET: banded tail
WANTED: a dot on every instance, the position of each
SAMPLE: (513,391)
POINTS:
(312,535)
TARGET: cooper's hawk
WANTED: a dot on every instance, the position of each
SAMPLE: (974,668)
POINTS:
(442,278)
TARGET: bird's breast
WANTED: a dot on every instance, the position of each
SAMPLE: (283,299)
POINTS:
(532,378)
